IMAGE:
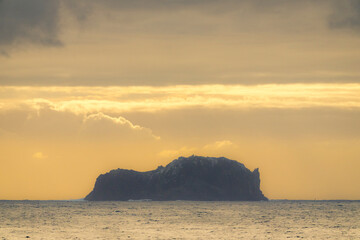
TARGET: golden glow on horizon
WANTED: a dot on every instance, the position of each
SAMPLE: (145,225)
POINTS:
(52,133)
(149,99)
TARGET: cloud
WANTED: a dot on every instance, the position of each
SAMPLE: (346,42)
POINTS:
(88,100)
(174,153)
(99,124)
(218,145)
(42,121)
(346,15)
(35,22)
(164,42)
(4,53)
(40,22)
(39,155)
(216,148)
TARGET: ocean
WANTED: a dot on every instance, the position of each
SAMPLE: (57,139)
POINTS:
(180,220)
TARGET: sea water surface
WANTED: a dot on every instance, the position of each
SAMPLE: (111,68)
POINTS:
(179,220)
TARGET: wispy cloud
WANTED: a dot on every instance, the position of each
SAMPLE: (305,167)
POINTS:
(214,148)
(219,145)
(39,155)
(84,100)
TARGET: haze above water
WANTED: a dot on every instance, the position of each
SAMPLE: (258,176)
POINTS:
(179,220)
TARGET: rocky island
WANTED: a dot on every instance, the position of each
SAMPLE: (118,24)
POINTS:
(194,178)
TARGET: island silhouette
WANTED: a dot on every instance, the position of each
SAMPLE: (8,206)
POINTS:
(194,178)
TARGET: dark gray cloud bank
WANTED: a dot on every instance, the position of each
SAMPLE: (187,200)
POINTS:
(346,15)
(34,22)
(179,41)
(38,22)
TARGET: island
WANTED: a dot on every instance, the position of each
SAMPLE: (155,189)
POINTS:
(193,178)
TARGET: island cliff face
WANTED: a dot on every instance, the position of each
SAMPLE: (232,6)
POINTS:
(194,178)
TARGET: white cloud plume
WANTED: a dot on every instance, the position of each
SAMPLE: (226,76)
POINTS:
(114,127)
(42,119)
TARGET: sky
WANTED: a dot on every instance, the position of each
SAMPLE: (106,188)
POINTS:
(90,86)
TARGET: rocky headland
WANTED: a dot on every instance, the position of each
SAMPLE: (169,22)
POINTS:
(193,178)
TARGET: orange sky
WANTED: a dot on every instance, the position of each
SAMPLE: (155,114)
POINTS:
(90,86)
